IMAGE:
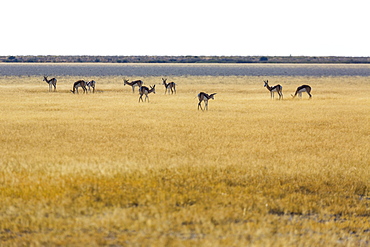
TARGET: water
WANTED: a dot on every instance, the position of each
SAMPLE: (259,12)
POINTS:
(96,69)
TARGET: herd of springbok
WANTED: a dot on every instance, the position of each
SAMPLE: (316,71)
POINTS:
(279,89)
(171,87)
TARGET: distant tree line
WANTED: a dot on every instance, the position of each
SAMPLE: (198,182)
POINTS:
(182,59)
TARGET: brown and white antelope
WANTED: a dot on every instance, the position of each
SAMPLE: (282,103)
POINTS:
(301,89)
(133,84)
(77,84)
(171,86)
(205,97)
(277,88)
(91,84)
(52,83)
(145,90)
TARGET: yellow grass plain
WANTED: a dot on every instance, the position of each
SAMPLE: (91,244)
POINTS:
(104,170)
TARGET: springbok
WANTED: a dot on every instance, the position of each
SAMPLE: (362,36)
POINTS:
(133,84)
(52,83)
(205,97)
(169,86)
(144,90)
(91,84)
(77,84)
(277,88)
(301,89)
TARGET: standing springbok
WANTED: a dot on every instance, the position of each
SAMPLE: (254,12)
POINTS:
(169,86)
(91,84)
(144,90)
(205,97)
(77,84)
(277,88)
(301,89)
(133,84)
(52,83)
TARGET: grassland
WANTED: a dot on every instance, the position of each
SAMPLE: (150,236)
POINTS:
(103,169)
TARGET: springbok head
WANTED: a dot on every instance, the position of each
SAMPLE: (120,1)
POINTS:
(211,96)
(152,89)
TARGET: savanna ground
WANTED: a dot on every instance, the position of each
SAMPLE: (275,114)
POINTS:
(103,169)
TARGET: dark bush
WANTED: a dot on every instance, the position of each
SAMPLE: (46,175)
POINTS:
(264,59)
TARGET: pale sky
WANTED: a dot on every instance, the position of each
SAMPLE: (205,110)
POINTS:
(186,27)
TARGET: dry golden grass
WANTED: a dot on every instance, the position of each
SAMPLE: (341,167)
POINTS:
(103,169)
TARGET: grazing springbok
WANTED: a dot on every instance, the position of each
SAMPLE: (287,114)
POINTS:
(171,86)
(277,88)
(52,83)
(144,90)
(133,84)
(301,89)
(204,97)
(77,84)
(91,84)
